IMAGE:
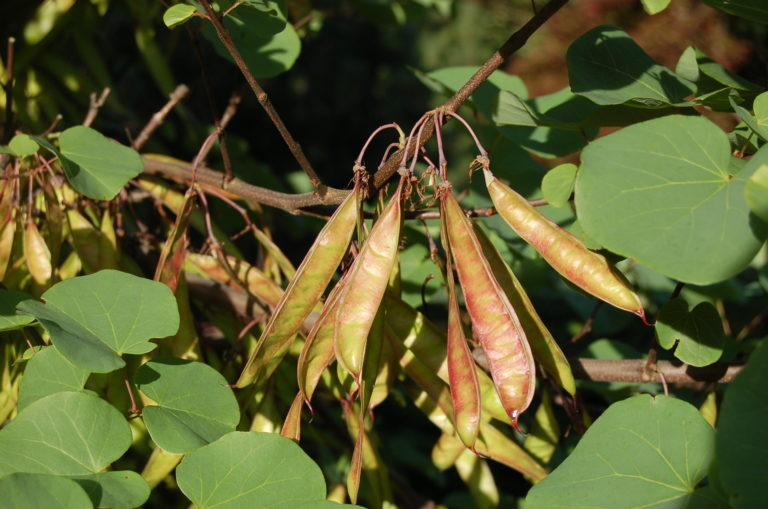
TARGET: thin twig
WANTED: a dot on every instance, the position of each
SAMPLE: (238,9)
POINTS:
(514,43)
(633,370)
(96,104)
(158,118)
(264,101)
(328,195)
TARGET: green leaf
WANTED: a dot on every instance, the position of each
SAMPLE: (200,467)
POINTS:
(267,43)
(96,318)
(23,145)
(721,75)
(662,192)
(698,334)
(250,470)
(608,67)
(11,319)
(742,434)
(687,65)
(759,125)
(178,14)
(642,452)
(655,6)
(118,490)
(42,491)
(755,10)
(48,372)
(193,405)
(756,192)
(72,340)
(67,433)
(558,183)
(95,165)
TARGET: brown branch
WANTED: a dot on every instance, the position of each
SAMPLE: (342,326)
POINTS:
(242,189)
(514,43)
(601,370)
(263,99)
(328,195)
(158,118)
(96,104)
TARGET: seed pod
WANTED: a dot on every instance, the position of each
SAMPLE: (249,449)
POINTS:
(318,352)
(7,234)
(495,323)
(258,284)
(462,373)
(303,292)
(367,282)
(419,334)
(545,348)
(292,425)
(563,251)
(37,254)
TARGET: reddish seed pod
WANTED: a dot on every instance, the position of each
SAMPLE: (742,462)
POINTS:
(563,251)
(495,322)
(366,283)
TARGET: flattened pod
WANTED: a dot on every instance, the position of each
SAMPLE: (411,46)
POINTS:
(495,322)
(462,373)
(37,254)
(317,352)
(564,252)
(366,283)
(303,292)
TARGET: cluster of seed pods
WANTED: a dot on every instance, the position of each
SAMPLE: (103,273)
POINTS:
(357,314)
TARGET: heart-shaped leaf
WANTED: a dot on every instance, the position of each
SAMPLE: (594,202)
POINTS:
(742,434)
(43,490)
(67,433)
(194,406)
(96,318)
(96,166)
(698,334)
(10,318)
(48,372)
(23,145)
(250,470)
(642,452)
(663,192)
(608,67)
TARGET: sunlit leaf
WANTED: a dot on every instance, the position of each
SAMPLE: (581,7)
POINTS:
(698,334)
(558,183)
(23,145)
(178,14)
(193,406)
(251,471)
(93,319)
(67,433)
(756,192)
(42,490)
(121,489)
(95,165)
(662,192)
(655,6)
(642,452)
(48,372)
